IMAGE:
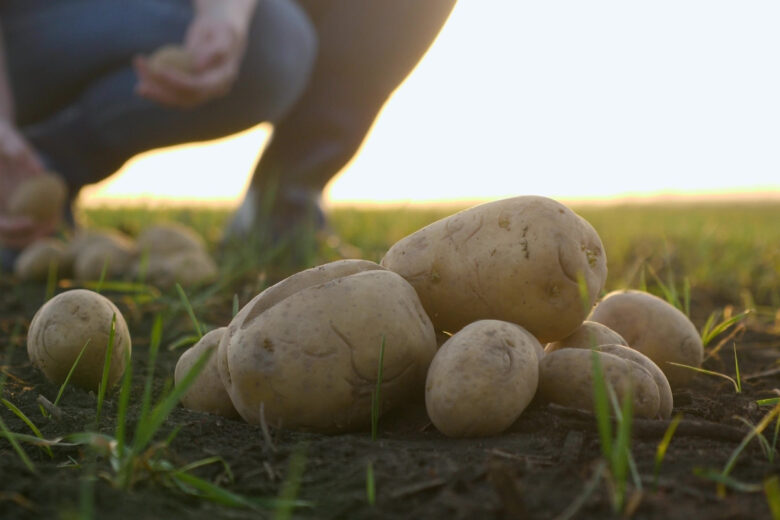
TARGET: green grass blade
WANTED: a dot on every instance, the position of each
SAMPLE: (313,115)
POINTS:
(20,414)
(622,449)
(768,402)
(190,311)
(103,271)
(8,434)
(370,484)
(759,428)
(70,372)
(710,330)
(375,397)
(51,280)
(147,428)
(601,406)
(772,492)
(184,341)
(737,386)
(121,419)
(106,369)
(235,305)
(155,339)
(727,481)
(736,370)
(288,492)
(663,446)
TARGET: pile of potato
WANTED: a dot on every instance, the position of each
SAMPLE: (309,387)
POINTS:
(497,282)
(162,255)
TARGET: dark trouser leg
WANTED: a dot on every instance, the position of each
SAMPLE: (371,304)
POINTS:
(366,49)
(95,122)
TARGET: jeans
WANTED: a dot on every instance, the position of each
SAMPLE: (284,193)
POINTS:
(318,70)
(70,68)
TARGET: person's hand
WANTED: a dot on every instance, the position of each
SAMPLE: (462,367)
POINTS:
(217,48)
(18,161)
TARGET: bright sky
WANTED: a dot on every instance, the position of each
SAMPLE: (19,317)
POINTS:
(567,99)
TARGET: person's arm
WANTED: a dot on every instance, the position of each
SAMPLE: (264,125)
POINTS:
(18,161)
(216,39)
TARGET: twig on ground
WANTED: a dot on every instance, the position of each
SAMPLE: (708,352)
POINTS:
(50,407)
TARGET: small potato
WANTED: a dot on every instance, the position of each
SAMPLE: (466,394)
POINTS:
(167,239)
(655,328)
(590,334)
(41,197)
(84,238)
(515,260)
(666,403)
(115,256)
(482,379)
(566,378)
(173,57)
(67,322)
(38,258)
(312,357)
(207,393)
(188,268)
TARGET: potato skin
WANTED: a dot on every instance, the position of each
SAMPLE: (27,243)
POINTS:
(589,334)
(666,400)
(116,256)
(312,357)
(41,197)
(207,393)
(513,260)
(61,328)
(169,238)
(36,259)
(655,328)
(482,379)
(566,378)
(188,268)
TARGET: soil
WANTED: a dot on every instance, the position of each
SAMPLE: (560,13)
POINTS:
(542,468)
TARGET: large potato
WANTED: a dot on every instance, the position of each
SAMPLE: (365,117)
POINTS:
(38,258)
(482,379)
(514,260)
(311,358)
(207,393)
(40,197)
(67,322)
(655,328)
(589,334)
(566,378)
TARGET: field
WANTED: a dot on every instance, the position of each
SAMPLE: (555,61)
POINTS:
(716,459)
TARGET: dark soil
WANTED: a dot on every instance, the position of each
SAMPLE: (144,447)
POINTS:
(539,469)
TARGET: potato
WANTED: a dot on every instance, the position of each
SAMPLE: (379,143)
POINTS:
(67,322)
(482,379)
(589,334)
(312,357)
(37,258)
(168,238)
(116,256)
(666,400)
(655,328)
(186,268)
(171,57)
(84,238)
(41,197)
(515,260)
(566,378)
(207,393)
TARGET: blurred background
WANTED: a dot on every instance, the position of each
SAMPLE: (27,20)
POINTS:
(598,100)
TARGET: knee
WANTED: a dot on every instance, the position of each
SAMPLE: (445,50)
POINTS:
(280,56)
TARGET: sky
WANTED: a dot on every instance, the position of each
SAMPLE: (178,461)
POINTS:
(567,99)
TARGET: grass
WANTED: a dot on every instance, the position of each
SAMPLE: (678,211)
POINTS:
(694,255)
